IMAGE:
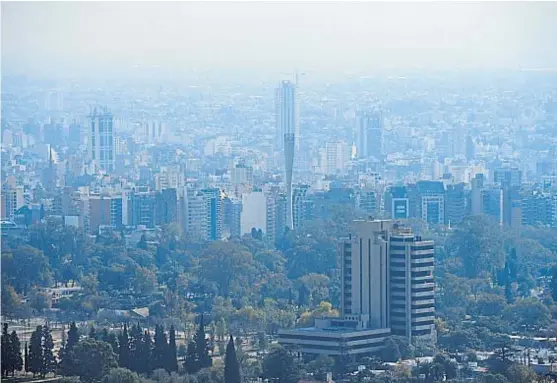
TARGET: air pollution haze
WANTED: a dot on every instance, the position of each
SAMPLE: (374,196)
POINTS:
(175,38)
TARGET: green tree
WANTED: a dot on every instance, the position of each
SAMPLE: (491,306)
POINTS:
(36,359)
(15,359)
(49,360)
(172,359)
(202,348)
(6,350)
(11,302)
(396,348)
(121,375)
(527,313)
(66,363)
(93,359)
(160,349)
(280,365)
(191,365)
(231,365)
(124,349)
(145,354)
(25,267)
(518,373)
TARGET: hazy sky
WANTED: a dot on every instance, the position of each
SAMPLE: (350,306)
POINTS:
(78,37)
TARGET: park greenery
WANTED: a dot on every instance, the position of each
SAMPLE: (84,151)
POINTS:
(491,283)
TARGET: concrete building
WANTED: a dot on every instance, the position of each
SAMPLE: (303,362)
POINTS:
(335,157)
(492,203)
(387,287)
(254,212)
(397,202)
(455,204)
(101,147)
(427,201)
(302,206)
(366,201)
(412,288)
(12,199)
(370,135)
(365,273)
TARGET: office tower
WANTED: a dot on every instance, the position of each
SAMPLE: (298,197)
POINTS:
(455,204)
(412,288)
(153,131)
(397,202)
(507,177)
(241,174)
(287,136)
(476,194)
(492,203)
(101,140)
(427,201)
(74,136)
(366,201)
(470,148)
(142,208)
(539,209)
(12,199)
(365,274)
(254,209)
(212,214)
(370,135)
(335,157)
(512,207)
(276,216)
(302,206)
(232,215)
(166,206)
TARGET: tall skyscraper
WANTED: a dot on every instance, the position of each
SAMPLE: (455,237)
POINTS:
(370,135)
(287,135)
(101,140)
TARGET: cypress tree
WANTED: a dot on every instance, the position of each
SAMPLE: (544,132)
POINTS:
(231,365)
(202,349)
(124,349)
(93,333)
(66,364)
(145,354)
(15,353)
(6,350)
(172,359)
(190,363)
(160,349)
(49,361)
(36,351)
(136,348)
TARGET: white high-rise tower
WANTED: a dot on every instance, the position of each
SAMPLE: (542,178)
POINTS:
(101,147)
(287,135)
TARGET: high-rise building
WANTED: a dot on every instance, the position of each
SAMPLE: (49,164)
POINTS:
(302,206)
(366,201)
(365,274)
(470,148)
(335,157)
(370,135)
(412,288)
(286,114)
(427,201)
(101,147)
(397,202)
(492,203)
(254,209)
(288,135)
(507,177)
(455,204)
(387,287)
(12,199)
